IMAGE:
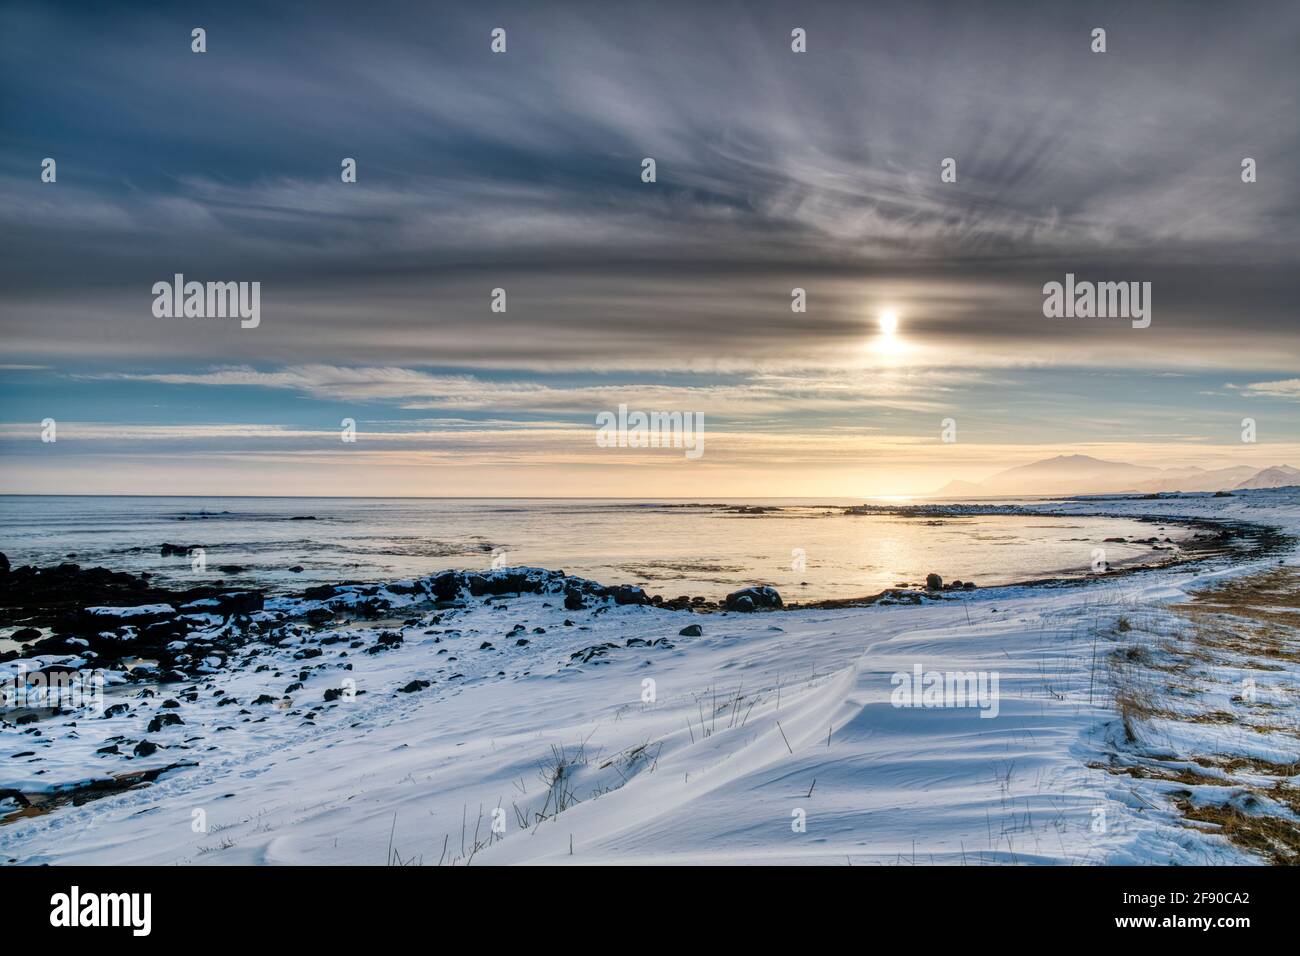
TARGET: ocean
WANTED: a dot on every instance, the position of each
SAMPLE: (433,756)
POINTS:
(809,550)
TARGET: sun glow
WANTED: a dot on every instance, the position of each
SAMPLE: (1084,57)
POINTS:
(888,344)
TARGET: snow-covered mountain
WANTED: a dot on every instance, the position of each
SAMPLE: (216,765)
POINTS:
(1083,474)
(1278,476)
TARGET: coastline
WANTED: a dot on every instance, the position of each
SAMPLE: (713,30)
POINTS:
(463,704)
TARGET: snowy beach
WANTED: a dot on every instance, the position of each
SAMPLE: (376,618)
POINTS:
(520,716)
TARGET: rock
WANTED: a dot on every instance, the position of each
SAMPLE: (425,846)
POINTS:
(933,582)
(4,563)
(627,594)
(691,630)
(179,550)
(231,602)
(763,597)
(445,586)
(413,686)
(968,586)
(145,747)
(333,693)
(296,569)
(24,634)
(164,720)
(573,600)
(268,699)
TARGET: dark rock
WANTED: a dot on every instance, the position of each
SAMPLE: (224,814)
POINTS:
(627,594)
(230,602)
(333,693)
(753,599)
(573,600)
(145,747)
(24,634)
(163,720)
(590,653)
(445,586)
(933,582)
(267,699)
(413,686)
(691,630)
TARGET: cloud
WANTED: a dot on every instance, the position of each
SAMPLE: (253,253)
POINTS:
(741,397)
(1286,388)
(775,170)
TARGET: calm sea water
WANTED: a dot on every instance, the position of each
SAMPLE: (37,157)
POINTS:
(669,548)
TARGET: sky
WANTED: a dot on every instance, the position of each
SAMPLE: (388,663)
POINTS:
(523,171)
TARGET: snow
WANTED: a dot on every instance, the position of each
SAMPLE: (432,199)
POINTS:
(126,613)
(765,721)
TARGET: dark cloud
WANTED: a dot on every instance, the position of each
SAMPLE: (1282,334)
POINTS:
(522,171)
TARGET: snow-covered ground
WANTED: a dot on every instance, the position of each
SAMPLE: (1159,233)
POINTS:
(770,738)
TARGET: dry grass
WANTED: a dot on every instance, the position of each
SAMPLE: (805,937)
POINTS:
(1250,624)
(1272,837)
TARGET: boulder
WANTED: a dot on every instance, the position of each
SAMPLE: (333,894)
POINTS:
(691,630)
(445,586)
(627,594)
(754,599)
(933,582)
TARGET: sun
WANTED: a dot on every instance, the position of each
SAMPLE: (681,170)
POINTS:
(888,322)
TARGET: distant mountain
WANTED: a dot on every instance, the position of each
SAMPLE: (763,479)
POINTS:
(1083,474)
(1278,476)
(1198,479)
